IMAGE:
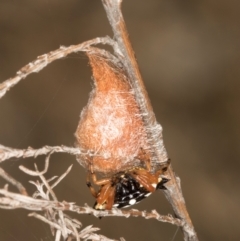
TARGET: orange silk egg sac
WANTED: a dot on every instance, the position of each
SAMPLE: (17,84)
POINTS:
(110,126)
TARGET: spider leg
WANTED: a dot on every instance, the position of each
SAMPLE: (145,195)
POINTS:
(144,176)
(92,175)
(100,182)
(91,188)
(105,199)
(146,179)
(145,157)
(110,200)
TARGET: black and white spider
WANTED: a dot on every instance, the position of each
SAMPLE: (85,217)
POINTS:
(126,188)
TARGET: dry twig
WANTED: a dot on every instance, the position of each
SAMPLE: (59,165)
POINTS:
(8,152)
(13,181)
(14,201)
(159,155)
(45,59)
(44,199)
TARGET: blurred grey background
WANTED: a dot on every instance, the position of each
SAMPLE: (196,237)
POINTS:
(189,56)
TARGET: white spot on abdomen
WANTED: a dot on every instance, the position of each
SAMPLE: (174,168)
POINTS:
(132,201)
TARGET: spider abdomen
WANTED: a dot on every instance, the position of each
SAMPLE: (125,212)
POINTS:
(128,191)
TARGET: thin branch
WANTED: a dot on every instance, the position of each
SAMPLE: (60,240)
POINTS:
(13,181)
(34,173)
(14,201)
(61,177)
(58,235)
(86,234)
(45,220)
(154,130)
(74,228)
(115,212)
(8,152)
(54,197)
(45,59)
(45,182)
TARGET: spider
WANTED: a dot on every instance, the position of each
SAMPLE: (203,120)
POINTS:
(125,188)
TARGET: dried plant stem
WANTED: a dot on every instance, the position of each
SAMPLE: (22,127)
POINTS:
(45,59)
(45,200)
(13,181)
(40,217)
(85,234)
(13,200)
(8,152)
(114,14)
(174,193)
